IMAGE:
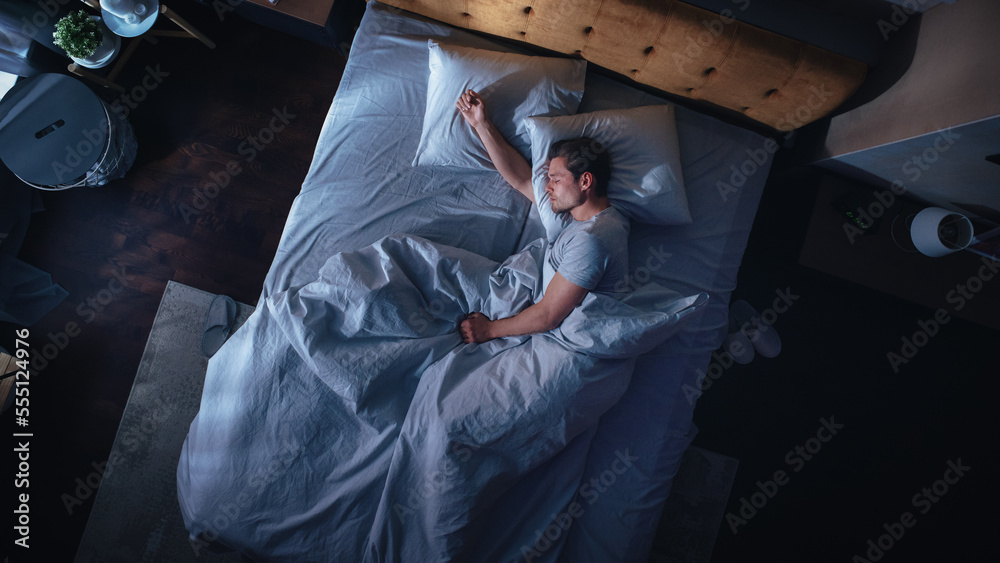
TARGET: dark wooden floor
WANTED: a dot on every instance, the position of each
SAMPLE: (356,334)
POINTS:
(190,126)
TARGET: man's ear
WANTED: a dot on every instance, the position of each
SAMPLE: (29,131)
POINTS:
(586,180)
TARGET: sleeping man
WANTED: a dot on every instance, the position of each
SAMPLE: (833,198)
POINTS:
(589,254)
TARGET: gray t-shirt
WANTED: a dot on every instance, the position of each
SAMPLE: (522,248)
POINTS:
(592,254)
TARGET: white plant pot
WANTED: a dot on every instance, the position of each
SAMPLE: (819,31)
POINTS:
(105,52)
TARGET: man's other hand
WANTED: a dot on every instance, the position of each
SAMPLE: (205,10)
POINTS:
(472,108)
(476,328)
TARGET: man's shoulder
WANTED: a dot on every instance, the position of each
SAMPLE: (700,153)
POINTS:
(613,215)
(611,224)
(575,234)
(588,242)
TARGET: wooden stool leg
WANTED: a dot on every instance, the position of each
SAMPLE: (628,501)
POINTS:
(183,24)
(124,57)
(80,71)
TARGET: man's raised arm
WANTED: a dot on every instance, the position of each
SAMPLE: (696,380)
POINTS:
(508,162)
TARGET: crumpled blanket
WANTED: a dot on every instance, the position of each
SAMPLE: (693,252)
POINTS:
(376,433)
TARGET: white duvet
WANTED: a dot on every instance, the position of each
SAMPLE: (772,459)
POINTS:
(346,421)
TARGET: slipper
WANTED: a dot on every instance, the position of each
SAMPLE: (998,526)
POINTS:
(762,335)
(737,344)
(739,347)
(218,324)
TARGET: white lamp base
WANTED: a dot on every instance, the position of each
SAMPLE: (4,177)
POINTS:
(937,232)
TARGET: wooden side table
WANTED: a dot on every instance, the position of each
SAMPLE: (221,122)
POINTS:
(315,12)
(186,31)
(987,244)
(330,23)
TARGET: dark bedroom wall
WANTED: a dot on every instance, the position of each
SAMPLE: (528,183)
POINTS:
(844,27)
(953,79)
(950,88)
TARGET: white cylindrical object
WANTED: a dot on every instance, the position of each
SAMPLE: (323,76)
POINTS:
(936,231)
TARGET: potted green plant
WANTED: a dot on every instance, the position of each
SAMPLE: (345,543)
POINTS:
(86,39)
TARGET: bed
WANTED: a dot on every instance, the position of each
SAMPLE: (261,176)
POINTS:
(306,450)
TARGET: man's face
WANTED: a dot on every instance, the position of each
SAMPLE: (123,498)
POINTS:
(564,192)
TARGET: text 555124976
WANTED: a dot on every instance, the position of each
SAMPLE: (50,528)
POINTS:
(22,450)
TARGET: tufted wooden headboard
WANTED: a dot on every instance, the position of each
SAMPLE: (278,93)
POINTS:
(674,47)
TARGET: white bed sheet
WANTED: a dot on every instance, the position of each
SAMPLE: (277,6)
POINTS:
(361,187)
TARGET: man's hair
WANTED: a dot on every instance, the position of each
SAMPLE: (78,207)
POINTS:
(585,155)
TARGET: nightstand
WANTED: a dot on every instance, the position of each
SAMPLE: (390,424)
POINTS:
(886,260)
(330,23)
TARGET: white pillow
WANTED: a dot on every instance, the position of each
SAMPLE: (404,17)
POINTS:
(646,183)
(513,86)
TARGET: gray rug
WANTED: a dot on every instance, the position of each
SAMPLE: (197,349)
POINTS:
(136,516)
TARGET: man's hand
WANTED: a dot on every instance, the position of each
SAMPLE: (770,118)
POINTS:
(472,108)
(476,328)
(508,162)
(560,298)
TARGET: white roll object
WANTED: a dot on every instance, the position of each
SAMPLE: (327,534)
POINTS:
(937,232)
